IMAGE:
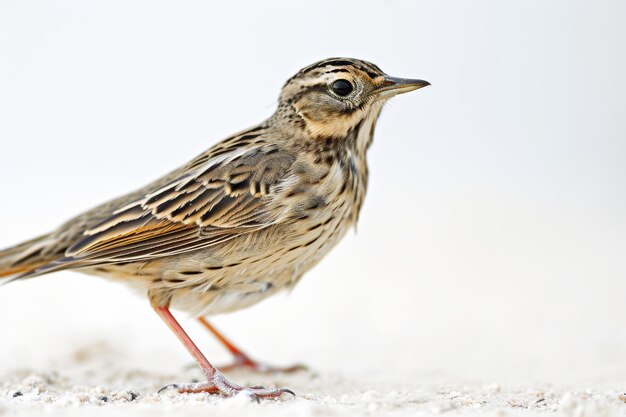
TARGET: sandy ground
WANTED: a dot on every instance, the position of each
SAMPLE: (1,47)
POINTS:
(90,384)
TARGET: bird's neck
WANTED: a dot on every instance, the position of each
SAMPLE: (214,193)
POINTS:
(355,136)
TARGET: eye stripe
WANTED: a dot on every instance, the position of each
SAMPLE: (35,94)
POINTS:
(337,70)
(371,74)
(337,62)
(370,69)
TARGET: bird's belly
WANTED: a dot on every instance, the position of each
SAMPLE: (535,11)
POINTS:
(262,265)
(247,285)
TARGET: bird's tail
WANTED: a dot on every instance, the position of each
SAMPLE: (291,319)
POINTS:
(25,257)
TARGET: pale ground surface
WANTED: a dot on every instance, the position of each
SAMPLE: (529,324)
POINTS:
(92,383)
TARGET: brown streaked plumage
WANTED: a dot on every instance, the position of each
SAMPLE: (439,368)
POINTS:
(241,221)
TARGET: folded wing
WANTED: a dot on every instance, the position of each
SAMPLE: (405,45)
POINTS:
(229,195)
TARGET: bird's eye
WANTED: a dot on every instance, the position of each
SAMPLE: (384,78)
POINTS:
(342,87)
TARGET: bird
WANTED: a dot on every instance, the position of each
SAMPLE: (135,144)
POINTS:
(239,222)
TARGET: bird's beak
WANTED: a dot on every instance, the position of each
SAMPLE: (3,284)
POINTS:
(392,86)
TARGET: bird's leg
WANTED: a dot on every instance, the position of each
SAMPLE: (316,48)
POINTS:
(241,360)
(216,381)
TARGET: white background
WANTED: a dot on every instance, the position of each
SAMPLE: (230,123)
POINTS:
(493,239)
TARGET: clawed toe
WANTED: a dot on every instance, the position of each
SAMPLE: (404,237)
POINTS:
(193,388)
(168,387)
(288,391)
(258,392)
(220,385)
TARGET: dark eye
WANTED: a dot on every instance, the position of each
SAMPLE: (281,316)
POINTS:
(342,87)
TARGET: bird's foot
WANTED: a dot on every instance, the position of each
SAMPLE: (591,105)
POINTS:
(219,384)
(246,363)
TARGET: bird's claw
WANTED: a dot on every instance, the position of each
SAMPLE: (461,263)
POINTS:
(167,387)
(220,385)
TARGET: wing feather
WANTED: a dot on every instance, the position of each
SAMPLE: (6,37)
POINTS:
(226,196)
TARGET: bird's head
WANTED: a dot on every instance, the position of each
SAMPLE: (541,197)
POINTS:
(334,96)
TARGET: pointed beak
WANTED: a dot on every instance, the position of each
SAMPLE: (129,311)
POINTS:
(392,86)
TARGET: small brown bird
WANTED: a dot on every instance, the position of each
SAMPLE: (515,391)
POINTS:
(241,221)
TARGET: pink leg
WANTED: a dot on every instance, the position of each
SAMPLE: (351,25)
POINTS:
(241,359)
(216,382)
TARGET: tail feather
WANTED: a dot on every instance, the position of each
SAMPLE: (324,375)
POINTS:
(25,257)
(18,270)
